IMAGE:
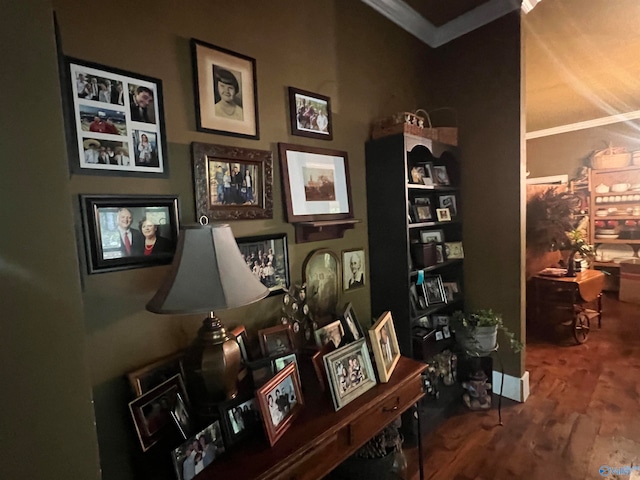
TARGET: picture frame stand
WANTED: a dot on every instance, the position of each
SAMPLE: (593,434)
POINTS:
(322,230)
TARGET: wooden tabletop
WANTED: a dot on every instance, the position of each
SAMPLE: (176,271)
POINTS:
(590,282)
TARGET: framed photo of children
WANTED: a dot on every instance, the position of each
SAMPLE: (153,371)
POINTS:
(384,344)
(123,232)
(280,401)
(232,183)
(268,258)
(310,114)
(353,269)
(226,91)
(115,121)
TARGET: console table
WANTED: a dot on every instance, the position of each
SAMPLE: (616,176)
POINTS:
(320,438)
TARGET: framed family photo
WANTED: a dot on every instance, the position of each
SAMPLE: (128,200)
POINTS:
(353,269)
(198,452)
(316,183)
(151,412)
(349,372)
(132,231)
(384,344)
(232,183)
(267,256)
(310,114)
(115,121)
(226,91)
(280,401)
(240,418)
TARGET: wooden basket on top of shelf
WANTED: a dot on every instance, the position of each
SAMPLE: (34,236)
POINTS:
(414,124)
(610,157)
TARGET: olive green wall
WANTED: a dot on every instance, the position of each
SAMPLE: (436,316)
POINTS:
(479,75)
(47,421)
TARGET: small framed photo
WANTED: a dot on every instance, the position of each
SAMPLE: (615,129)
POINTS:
(353,269)
(115,120)
(440,175)
(446,332)
(454,250)
(451,289)
(151,412)
(316,183)
(440,258)
(434,290)
(333,332)
(276,340)
(349,372)
(432,236)
(422,213)
(134,231)
(443,214)
(240,418)
(440,320)
(150,376)
(181,417)
(226,91)
(417,174)
(350,325)
(268,258)
(198,452)
(280,401)
(281,362)
(243,342)
(449,201)
(384,344)
(318,364)
(439,335)
(428,174)
(232,183)
(310,114)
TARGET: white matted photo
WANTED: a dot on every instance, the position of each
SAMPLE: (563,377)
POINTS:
(353,269)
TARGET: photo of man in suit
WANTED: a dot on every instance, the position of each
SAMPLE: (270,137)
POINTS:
(131,240)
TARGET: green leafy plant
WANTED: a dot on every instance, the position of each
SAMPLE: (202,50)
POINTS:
(580,245)
(469,321)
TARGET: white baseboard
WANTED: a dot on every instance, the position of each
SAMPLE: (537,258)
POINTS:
(514,388)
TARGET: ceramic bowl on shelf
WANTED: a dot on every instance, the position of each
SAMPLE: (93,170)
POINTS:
(606,252)
(620,187)
(606,231)
(601,213)
(602,188)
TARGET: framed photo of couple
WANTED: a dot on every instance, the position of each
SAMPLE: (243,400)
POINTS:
(226,91)
(115,121)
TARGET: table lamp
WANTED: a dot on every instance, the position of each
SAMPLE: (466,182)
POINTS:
(208,273)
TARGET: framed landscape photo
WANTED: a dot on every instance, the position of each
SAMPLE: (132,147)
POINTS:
(151,412)
(198,451)
(226,91)
(280,401)
(132,231)
(353,269)
(276,340)
(232,183)
(115,121)
(145,378)
(310,114)
(384,345)
(267,256)
(349,372)
(316,183)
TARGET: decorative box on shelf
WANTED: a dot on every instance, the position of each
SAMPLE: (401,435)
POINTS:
(424,254)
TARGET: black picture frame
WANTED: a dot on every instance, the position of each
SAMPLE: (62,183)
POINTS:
(234,201)
(106,129)
(450,202)
(433,290)
(213,65)
(104,244)
(352,329)
(240,418)
(304,117)
(276,278)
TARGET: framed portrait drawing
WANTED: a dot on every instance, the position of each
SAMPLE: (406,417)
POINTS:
(333,332)
(316,183)
(384,345)
(115,121)
(353,269)
(240,418)
(350,325)
(310,114)
(268,258)
(226,91)
(280,401)
(151,412)
(349,372)
(321,273)
(132,231)
(211,446)
(433,290)
(232,183)
(149,376)
(276,340)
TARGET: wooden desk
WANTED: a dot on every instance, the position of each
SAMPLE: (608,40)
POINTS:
(320,438)
(571,295)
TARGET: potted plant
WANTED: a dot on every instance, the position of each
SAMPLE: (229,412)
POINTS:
(477,331)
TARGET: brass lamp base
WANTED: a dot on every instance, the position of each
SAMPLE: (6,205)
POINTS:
(211,365)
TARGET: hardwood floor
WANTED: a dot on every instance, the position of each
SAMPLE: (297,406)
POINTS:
(582,413)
